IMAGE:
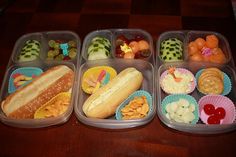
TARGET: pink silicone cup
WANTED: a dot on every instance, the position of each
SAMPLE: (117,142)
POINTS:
(182,70)
(217,101)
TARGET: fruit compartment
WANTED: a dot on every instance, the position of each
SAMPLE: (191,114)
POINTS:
(198,128)
(118,64)
(61,46)
(222,44)
(138,40)
(35,123)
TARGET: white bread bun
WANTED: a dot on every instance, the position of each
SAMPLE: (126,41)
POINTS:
(23,103)
(105,100)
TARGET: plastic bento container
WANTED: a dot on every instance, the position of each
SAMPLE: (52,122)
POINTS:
(40,63)
(111,35)
(118,64)
(198,128)
(186,36)
(35,123)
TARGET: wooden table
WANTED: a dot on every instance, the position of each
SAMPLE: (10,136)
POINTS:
(73,138)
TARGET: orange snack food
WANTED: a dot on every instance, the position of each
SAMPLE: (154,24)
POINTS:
(212,41)
(218,56)
(192,48)
(196,57)
(200,42)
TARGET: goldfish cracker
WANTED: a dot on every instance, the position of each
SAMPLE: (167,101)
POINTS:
(200,42)
(212,41)
(192,48)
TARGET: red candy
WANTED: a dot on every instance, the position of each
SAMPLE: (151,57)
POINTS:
(215,115)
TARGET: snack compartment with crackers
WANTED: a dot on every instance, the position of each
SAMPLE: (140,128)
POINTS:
(213,97)
(36,91)
(118,43)
(106,85)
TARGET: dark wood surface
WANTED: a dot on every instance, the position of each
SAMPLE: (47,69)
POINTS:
(73,138)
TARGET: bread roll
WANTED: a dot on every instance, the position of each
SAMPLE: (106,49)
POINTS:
(23,103)
(105,100)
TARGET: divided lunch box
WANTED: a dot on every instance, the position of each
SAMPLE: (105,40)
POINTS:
(33,54)
(193,66)
(144,65)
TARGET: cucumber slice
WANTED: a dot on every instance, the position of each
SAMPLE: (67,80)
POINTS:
(98,55)
(171,50)
(101,40)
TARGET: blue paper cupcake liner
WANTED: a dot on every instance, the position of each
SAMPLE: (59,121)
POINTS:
(138,93)
(27,71)
(175,97)
(227,83)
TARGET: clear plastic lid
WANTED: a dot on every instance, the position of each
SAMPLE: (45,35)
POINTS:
(118,64)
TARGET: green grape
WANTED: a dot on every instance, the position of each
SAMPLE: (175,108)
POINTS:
(56,52)
(51,54)
(56,46)
(51,43)
(72,52)
(72,43)
(59,57)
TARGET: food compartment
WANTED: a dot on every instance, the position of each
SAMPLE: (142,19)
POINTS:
(61,46)
(133,44)
(14,110)
(28,48)
(97,45)
(204,46)
(119,65)
(199,127)
(170,47)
